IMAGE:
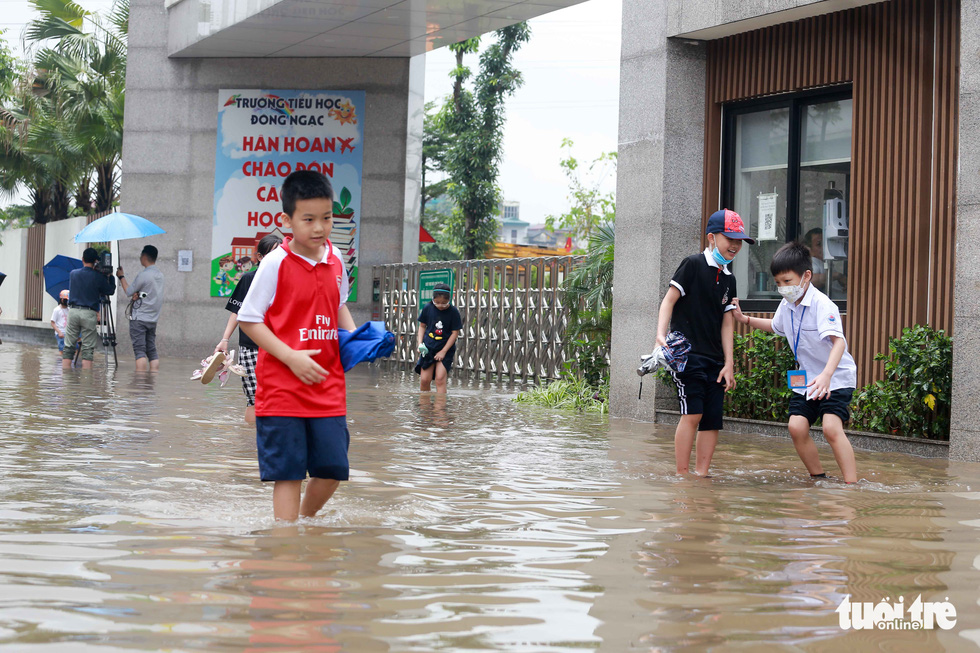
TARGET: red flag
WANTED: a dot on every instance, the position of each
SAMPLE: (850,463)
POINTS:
(568,245)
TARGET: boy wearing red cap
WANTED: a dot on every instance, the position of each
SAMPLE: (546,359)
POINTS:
(698,304)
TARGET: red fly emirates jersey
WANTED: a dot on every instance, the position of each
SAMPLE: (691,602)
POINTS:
(303,314)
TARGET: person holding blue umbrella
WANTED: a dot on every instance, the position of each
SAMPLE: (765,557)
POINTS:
(146,300)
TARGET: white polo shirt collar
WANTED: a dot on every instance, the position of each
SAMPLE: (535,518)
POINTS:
(711,261)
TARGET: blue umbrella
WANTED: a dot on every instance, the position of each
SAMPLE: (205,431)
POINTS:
(117,226)
(367,342)
(56,273)
(2,277)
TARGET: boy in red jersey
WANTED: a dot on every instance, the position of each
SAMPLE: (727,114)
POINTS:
(292,312)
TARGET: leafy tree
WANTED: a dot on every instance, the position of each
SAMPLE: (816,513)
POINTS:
(436,218)
(473,120)
(435,143)
(590,207)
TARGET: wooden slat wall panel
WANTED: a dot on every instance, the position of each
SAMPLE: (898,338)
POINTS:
(902,59)
(33,275)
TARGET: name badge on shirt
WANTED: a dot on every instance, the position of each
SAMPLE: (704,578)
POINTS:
(796,379)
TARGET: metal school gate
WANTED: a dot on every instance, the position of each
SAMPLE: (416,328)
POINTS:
(514,316)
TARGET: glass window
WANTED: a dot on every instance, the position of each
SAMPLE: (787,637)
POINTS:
(787,167)
(760,178)
(825,172)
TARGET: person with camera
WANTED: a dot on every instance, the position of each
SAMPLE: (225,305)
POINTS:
(86,286)
(146,300)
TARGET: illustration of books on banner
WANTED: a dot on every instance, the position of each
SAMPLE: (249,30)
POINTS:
(344,234)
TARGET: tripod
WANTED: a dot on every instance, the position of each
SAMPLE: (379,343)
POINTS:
(107,328)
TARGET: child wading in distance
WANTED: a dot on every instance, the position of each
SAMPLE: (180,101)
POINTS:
(292,312)
(698,305)
(439,326)
(811,323)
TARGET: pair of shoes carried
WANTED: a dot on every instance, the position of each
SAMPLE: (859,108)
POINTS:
(209,367)
(218,364)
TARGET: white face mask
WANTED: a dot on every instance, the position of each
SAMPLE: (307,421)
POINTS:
(793,293)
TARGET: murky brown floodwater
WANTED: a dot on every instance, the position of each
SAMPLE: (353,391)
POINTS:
(132,519)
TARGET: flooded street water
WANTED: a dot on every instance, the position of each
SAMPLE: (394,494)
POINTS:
(132,519)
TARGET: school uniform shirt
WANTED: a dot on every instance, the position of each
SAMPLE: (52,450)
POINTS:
(707,290)
(814,320)
(298,299)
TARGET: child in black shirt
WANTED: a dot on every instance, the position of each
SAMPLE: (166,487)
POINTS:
(439,326)
(698,304)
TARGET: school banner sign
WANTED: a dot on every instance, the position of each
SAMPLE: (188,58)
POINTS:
(263,135)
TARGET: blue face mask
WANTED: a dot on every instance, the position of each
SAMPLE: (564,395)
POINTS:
(719,259)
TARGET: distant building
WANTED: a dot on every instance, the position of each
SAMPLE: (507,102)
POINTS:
(512,229)
(539,236)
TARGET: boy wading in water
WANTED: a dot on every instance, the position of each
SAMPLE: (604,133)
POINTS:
(698,305)
(811,323)
(292,312)
(439,326)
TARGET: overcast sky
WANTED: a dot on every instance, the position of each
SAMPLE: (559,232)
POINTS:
(571,90)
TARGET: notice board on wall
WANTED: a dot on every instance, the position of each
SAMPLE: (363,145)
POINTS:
(263,135)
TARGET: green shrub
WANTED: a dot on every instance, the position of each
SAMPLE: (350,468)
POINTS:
(914,398)
(568,393)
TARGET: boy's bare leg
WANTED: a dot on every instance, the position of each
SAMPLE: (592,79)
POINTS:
(799,430)
(441,376)
(426,378)
(687,430)
(704,450)
(142,364)
(285,500)
(318,492)
(833,431)
(250,414)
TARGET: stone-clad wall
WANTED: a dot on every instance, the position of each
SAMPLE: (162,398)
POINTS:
(965,427)
(169,157)
(661,152)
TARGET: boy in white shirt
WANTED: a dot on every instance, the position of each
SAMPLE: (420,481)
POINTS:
(811,323)
(59,319)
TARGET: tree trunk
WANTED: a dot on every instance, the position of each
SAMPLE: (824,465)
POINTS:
(105,186)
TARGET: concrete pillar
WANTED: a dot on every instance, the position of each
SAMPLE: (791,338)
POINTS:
(658,194)
(169,158)
(965,427)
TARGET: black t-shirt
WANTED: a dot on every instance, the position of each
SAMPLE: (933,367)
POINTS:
(235,303)
(706,293)
(439,325)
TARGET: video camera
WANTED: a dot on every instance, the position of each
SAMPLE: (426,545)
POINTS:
(104,263)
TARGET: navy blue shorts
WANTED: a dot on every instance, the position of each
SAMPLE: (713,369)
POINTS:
(813,409)
(289,447)
(699,393)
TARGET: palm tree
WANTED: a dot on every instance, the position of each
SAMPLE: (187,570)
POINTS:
(38,149)
(85,64)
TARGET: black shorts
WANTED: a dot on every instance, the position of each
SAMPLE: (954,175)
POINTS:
(425,362)
(813,409)
(699,392)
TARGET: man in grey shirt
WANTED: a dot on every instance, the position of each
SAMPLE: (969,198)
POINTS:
(146,293)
